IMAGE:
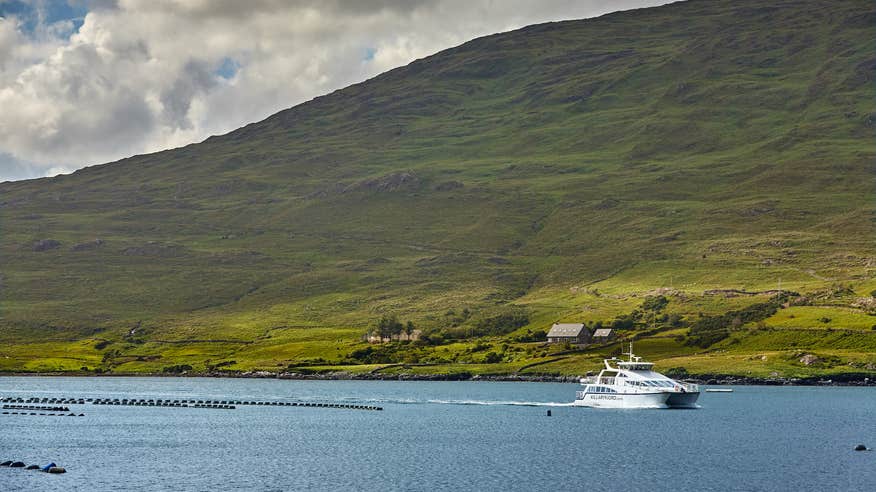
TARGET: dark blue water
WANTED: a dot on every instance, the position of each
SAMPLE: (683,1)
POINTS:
(436,436)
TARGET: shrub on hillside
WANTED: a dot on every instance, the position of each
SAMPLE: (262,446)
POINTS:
(102,344)
(493,323)
(177,369)
(655,303)
(532,336)
(708,330)
(624,322)
(502,323)
(492,358)
(373,354)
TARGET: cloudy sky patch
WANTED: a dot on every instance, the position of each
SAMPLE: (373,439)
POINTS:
(89,81)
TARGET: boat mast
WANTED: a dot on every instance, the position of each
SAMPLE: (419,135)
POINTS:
(630,353)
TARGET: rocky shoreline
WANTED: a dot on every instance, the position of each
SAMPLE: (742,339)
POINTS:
(838,380)
(846,379)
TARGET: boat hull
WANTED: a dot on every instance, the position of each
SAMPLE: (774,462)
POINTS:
(623,400)
(683,400)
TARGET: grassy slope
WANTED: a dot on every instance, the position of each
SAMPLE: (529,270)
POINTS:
(704,144)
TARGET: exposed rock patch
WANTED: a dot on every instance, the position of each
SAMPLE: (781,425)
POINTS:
(737,292)
(386,184)
(449,185)
(87,245)
(153,248)
(451,259)
(45,244)
(238,257)
(809,359)
(607,203)
(868,304)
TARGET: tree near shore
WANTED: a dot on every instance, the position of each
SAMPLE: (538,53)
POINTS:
(389,326)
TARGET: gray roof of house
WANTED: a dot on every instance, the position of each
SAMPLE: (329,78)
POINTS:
(566,330)
(602,332)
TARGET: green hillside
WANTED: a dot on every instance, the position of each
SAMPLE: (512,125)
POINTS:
(563,171)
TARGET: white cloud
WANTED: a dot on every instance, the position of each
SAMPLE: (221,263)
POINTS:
(145,75)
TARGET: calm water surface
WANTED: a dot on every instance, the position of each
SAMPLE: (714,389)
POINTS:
(436,436)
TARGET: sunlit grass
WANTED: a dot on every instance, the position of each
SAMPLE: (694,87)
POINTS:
(571,174)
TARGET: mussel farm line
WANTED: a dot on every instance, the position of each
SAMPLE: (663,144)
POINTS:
(12,402)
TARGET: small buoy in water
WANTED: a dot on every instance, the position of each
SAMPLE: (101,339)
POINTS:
(33,467)
(6,463)
(549,413)
(18,464)
(860,447)
(57,469)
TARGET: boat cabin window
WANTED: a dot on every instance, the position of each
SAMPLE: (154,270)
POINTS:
(651,383)
(601,389)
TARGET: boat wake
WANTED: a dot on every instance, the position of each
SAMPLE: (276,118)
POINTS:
(405,401)
(501,403)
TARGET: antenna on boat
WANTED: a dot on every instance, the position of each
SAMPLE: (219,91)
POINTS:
(630,353)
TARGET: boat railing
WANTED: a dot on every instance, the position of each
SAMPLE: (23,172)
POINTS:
(690,387)
(597,380)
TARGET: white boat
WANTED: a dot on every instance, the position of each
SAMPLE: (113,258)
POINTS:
(634,384)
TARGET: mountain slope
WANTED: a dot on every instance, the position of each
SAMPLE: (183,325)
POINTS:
(700,145)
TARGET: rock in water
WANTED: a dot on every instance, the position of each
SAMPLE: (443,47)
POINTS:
(860,447)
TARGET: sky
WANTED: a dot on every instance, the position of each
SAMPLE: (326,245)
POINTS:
(85,82)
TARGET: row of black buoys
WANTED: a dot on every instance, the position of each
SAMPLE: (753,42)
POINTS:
(340,405)
(45,414)
(57,401)
(50,468)
(225,404)
(183,403)
(36,407)
(311,405)
(139,403)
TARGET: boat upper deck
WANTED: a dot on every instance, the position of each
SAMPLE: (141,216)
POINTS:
(636,366)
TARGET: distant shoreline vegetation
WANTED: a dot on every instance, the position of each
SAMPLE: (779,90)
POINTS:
(504,343)
(841,379)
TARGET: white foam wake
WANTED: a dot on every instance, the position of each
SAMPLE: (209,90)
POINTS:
(411,401)
(511,403)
